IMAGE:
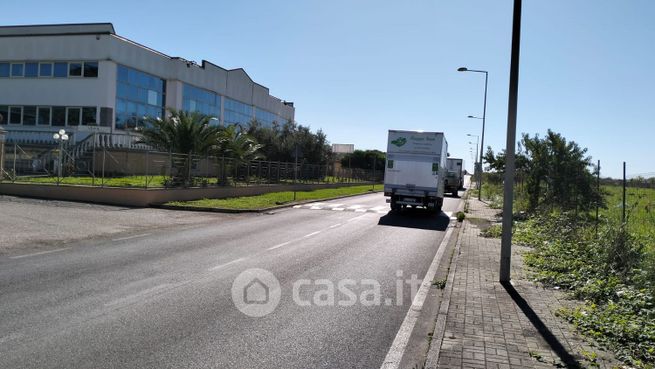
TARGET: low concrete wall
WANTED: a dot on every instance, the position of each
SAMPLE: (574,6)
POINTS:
(139,197)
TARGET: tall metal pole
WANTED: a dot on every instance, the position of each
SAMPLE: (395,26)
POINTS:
(598,190)
(624,198)
(61,148)
(484,118)
(3,134)
(508,200)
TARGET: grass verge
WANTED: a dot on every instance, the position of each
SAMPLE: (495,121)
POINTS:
(274,198)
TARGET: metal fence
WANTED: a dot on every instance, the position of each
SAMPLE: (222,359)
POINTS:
(97,165)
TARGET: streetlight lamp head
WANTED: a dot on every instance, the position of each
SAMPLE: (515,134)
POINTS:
(62,132)
(55,136)
(64,137)
(462,69)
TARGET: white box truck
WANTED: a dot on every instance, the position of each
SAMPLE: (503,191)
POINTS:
(454,176)
(416,169)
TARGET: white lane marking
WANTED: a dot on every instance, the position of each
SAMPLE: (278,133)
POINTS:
(377,208)
(334,225)
(315,208)
(399,345)
(279,245)
(297,206)
(137,296)
(360,210)
(38,253)
(338,209)
(226,264)
(131,237)
(312,234)
(355,206)
(334,205)
(355,218)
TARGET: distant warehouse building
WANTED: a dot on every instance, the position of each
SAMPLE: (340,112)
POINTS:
(87,79)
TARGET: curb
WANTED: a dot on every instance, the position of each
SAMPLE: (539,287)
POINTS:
(260,210)
(432,359)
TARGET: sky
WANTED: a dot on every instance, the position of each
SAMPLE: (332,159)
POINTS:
(357,68)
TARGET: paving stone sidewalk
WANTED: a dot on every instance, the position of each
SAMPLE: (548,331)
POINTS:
(489,325)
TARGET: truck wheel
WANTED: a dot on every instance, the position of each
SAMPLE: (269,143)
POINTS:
(455,194)
(438,205)
(395,206)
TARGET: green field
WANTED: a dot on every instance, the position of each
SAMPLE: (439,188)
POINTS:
(275,198)
(127,181)
(158,181)
(640,210)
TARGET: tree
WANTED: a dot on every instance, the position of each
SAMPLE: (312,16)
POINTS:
(181,133)
(234,143)
(364,159)
(556,172)
(279,142)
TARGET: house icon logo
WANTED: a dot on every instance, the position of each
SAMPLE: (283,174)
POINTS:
(256,292)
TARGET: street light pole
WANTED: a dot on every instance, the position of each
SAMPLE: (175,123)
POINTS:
(475,165)
(484,118)
(508,197)
(60,137)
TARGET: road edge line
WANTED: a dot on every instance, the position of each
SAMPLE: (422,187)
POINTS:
(432,357)
(397,350)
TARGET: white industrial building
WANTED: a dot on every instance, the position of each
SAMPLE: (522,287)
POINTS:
(86,79)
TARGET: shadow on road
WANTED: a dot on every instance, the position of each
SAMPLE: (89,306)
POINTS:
(416,218)
(548,336)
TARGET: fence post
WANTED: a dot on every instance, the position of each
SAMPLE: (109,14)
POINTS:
(598,195)
(147,157)
(14,168)
(248,173)
(624,184)
(170,165)
(104,156)
(93,161)
(223,176)
(2,151)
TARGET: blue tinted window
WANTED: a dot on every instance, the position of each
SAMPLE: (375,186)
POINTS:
(267,118)
(4,69)
(17,70)
(138,94)
(15,114)
(61,70)
(31,69)
(236,112)
(75,69)
(122,73)
(206,102)
(45,69)
(90,69)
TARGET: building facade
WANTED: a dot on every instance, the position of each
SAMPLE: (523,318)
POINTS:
(86,79)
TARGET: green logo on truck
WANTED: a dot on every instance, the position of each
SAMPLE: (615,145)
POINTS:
(400,141)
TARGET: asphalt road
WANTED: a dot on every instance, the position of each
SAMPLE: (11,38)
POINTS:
(163,299)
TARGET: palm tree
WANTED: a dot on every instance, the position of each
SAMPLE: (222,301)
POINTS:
(234,143)
(181,133)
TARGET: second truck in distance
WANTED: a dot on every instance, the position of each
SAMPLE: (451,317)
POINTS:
(416,169)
